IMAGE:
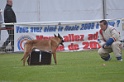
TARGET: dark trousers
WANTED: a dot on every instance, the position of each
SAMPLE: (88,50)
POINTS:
(10,38)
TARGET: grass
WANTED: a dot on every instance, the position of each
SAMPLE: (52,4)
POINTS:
(85,66)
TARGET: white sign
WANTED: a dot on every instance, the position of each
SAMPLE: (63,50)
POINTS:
(77,36)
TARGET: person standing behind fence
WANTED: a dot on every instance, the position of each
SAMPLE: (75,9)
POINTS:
(9,17)
(109,39)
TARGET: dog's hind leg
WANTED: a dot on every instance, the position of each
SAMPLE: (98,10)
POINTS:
(26,54)
(27,51)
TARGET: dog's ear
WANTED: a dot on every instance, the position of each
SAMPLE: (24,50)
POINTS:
(59,35)
(55,35)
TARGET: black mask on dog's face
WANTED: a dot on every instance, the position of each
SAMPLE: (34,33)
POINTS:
(62,43)
(60,39)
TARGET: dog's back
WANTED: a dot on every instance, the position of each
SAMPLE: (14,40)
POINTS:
(38,44)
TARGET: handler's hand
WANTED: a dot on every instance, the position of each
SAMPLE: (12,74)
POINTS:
(105,47)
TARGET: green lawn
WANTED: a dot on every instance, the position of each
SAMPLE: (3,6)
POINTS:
(85,66)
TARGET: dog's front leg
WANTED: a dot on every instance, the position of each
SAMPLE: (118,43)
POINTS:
(54,56)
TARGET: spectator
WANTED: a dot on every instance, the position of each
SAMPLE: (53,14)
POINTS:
(9,17)
(109,40)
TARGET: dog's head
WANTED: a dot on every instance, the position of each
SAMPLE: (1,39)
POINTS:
(61,39)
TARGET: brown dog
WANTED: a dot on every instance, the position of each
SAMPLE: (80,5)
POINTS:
(45,45)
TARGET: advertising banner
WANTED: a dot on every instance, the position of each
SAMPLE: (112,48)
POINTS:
(77,35)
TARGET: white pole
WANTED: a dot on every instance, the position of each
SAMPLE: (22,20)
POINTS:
(104,9)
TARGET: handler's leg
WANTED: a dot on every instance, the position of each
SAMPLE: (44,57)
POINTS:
(104,53)
(117,49)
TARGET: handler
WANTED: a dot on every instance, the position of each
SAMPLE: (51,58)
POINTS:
(109,39)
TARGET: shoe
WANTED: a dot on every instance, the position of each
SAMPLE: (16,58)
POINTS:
(108,58)
(119,58)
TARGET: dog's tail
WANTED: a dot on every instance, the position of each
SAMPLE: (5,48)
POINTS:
(29,43)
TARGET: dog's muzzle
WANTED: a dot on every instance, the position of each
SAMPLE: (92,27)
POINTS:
(62,43)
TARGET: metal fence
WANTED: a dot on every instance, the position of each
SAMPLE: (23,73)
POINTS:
(6,39)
